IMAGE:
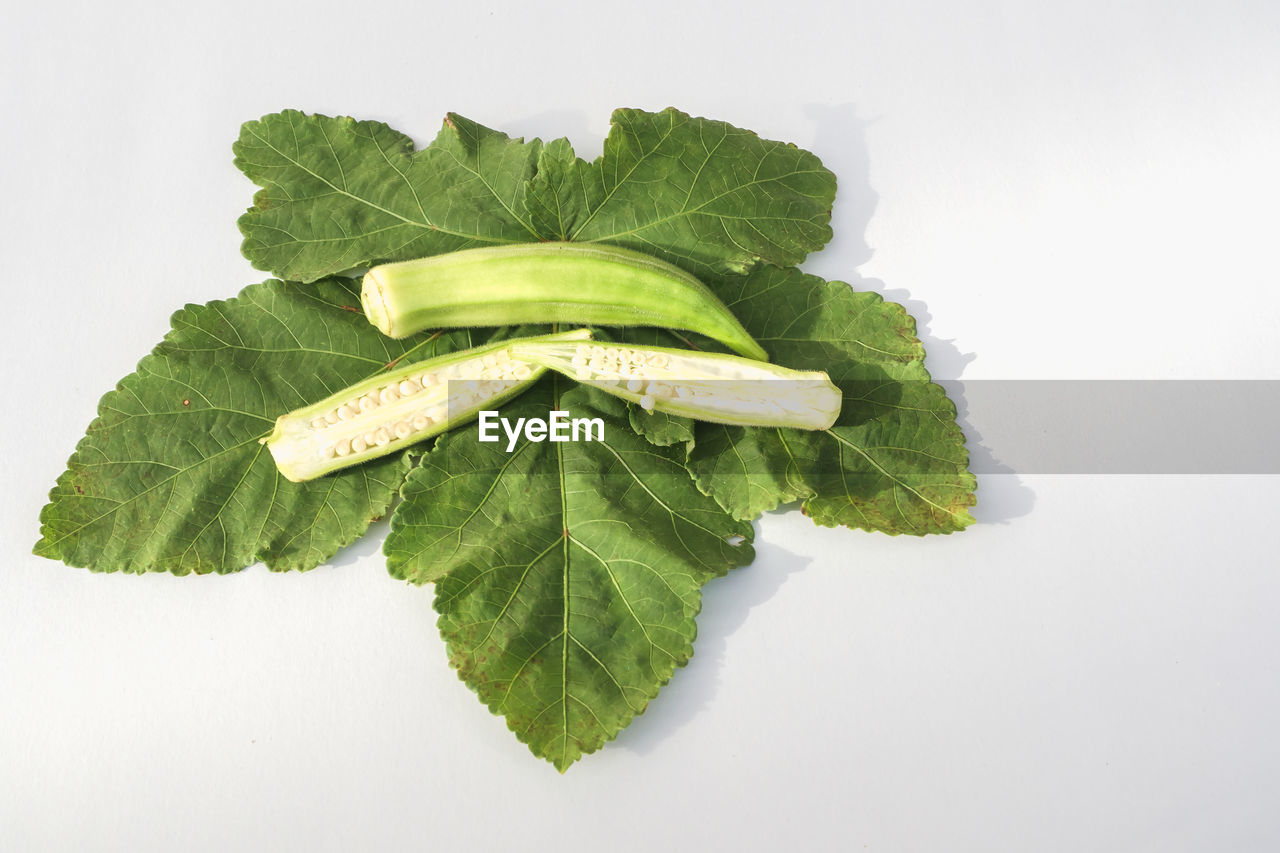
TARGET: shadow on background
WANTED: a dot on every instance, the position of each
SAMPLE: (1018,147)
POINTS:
(726,602)
(840,139)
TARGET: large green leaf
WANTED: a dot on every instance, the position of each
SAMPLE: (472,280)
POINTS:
(699,193)
(338,194)
(569,574)
(171,477)
(895,461)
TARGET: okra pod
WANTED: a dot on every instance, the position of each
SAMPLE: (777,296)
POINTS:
(705,386)
(577,283)
(392,410)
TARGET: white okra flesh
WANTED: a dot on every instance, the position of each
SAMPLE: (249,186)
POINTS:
(392,410)
(704,386)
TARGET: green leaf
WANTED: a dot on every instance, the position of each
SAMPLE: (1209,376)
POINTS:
(338,194)
(171,477)
(699,193)
(895,461)
(569,574)
(554,199)
(660,428)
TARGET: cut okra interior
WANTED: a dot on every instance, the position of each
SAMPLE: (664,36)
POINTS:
(704,386)
(390,411)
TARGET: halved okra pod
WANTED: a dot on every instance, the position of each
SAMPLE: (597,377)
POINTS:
(392,410)
(705,386)
(578,283)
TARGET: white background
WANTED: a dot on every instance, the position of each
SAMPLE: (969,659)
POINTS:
(1083,190)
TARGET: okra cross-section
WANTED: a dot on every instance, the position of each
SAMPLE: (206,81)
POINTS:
(575,283)
(704,386)
(392,410)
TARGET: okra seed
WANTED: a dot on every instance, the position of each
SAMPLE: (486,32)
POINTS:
(345,412)
(522,371)
(319,423)
(408,387)
(403,429)
(646,402)
(343,447)
(421,422)
(331,417)
(634,385)
(329,452)
(368,403)
(359,445)
(388,395)
(382,437)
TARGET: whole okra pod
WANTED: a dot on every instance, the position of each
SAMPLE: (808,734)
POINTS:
(578,283)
